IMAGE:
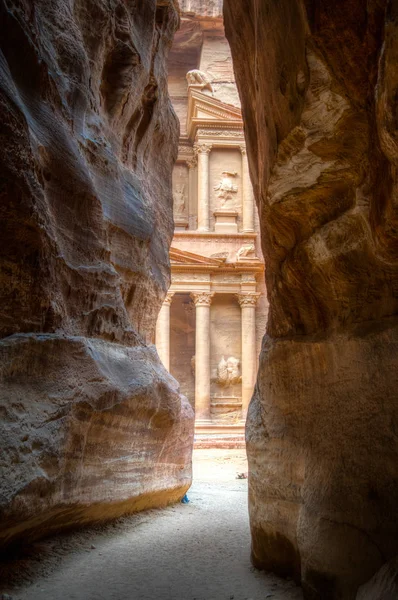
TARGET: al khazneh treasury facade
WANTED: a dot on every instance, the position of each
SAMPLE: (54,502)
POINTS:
(211,324)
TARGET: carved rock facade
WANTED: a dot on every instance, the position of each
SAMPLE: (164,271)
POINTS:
(318,87)
(92,426)
(215,253)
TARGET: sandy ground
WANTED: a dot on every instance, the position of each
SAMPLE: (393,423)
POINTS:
(197,551)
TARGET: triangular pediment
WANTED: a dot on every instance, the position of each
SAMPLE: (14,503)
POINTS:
(181,257)
(205,110)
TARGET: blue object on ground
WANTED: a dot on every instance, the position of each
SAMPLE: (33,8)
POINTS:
(185,500)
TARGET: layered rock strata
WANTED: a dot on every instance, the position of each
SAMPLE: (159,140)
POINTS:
(318,84)
(92,426)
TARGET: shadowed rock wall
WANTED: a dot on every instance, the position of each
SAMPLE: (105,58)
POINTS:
(318,84)
(383,585)
(91,424)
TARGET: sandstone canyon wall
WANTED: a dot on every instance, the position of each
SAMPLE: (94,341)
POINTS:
(318,84)
(92,426)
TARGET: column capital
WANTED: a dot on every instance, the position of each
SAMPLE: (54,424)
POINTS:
(203,148)
(168,298)
(192,162)
(248,299)
(202,298)
(243,150)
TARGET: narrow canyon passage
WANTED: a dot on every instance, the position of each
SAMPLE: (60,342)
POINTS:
(199,201)
(196,551)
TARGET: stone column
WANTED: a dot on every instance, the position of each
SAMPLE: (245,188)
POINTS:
(163,331)
(202,302)
(192,191)
(248,303)
(247,195)
(203,152)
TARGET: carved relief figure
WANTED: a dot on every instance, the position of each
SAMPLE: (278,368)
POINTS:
(222,372)
(179,199)
(233,370)
(246,251)
(199,78)
(228,371)
(226,188)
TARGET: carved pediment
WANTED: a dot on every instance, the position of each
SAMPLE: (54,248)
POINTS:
(206,110)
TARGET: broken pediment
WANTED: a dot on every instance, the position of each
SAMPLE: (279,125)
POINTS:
(181,257)
(205,110)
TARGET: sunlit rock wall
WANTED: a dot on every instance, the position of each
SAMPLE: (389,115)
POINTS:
(318,84)
(204,8)
(92,425)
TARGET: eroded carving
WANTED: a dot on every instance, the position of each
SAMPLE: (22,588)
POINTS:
(228,371)
(248,299)
(226,188)
(203,148)
(192,162)
(202,298)
(199,79)
(168,299)
(247,251)
(221,132)
(185,150)
(179,199)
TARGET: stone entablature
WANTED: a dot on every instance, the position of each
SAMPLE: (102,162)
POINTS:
(193,272)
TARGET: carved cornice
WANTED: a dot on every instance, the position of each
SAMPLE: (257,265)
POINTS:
(248,299)
(202,298)
(168,299)
(203,148)
(185,150)
(233,132)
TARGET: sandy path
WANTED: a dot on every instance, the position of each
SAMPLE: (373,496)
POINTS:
(198,551)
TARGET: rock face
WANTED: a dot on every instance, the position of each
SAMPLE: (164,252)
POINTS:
(383,586)
(318,84)
(92,425)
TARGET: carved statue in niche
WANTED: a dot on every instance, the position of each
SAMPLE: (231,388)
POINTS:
(226,188)
(228,372)
(199,78)
(179,199)
(248,251)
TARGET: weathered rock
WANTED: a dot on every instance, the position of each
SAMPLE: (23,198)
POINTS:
(204,8)
(383,586)
(92,425)
(318,89)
